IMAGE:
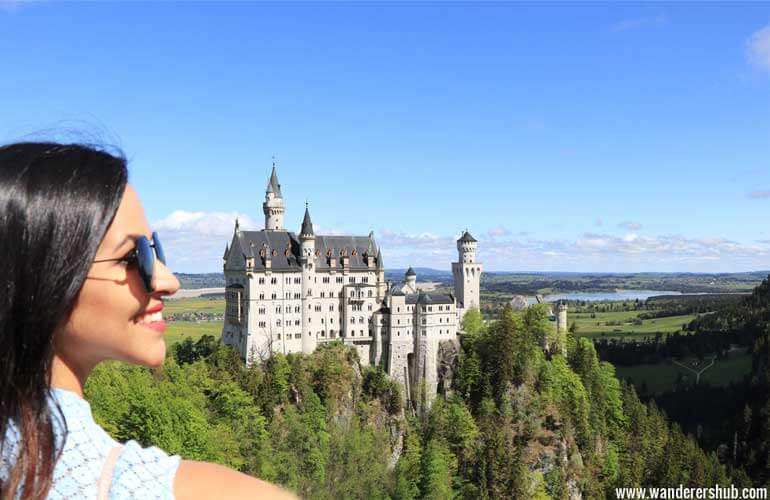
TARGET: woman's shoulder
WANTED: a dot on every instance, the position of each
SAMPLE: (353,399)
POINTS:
(143,473)
(137,472)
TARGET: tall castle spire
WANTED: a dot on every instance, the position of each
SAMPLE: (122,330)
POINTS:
(273,207)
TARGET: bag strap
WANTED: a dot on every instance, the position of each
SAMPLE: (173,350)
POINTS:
(103,486)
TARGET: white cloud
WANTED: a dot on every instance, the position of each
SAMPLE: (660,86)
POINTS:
(758,47)
(758,195)
(631,226)
(639,22)
(588,252)
(498,231)
(195,241)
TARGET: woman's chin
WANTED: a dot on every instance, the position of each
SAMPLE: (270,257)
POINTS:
(151,359)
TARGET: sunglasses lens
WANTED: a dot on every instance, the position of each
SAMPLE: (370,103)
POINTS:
(158,248)
(145,261)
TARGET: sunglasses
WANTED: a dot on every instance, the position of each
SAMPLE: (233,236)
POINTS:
(141,257)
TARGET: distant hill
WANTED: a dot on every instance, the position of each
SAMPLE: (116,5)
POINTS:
(195,281)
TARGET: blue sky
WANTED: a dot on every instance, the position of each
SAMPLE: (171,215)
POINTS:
(571,137)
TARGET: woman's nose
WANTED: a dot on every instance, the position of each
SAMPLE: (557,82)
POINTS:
(165,281)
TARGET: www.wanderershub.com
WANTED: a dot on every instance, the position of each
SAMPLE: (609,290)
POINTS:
(714,492)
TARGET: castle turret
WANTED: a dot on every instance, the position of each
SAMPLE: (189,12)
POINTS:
(410,278)
(273,206)
(561,328)
(467,274)
(307,260)
(381,285)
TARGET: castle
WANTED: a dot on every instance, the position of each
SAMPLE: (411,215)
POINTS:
(288,292)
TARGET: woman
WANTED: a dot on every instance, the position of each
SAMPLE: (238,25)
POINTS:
(81,281)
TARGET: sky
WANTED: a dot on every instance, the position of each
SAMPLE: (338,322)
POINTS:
(586,137)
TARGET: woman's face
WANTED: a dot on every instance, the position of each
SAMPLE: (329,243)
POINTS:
(114,317)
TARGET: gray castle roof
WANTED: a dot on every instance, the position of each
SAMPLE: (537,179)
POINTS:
(423,298)
(466,237)
(284,250)
(410,272)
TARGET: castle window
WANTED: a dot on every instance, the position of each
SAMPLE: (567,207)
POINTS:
(273,296)
(297,335)
(370,293)
(360,319)
(362,333)
(261,310)
(339,279)
(261,324)
(365,280)
(331,320)
(287,280)
(331,307)
(352,321)
(398,321)
(288,295)
(323,295)
(261,296)
(279,336)
(278,309)
(326,279)
(352,279)
(297,281)
(261,281)
(296,309)
(370,307)
(278,322)
(298,296)
(296,322)
(273,281)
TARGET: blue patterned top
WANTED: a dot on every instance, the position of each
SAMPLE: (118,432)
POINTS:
(138,472)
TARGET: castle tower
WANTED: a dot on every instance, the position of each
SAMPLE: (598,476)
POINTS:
(561,328)
(467,274)
(273,206)
(410,278)
(381,285)
(307,260)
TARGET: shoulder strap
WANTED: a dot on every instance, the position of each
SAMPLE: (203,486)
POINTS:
(103,486)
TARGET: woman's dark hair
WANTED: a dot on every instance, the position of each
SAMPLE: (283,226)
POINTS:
(56,203)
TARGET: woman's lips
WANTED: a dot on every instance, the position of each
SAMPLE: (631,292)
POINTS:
(158,326)
(153,320)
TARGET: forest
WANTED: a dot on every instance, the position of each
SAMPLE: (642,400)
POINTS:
(513,423)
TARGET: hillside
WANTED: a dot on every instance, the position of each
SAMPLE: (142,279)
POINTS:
(511,424)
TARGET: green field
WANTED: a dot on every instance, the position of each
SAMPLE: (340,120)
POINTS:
(597,327)
(177,331)
(198,304)
(662,377)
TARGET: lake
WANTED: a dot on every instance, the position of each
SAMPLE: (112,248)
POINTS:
(602,296)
